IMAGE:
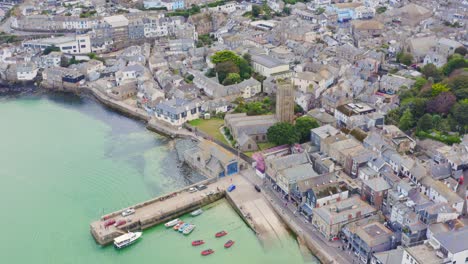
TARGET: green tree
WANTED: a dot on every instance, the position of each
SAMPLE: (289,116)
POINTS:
(456,62)
(431,71)
(225,55)
(461,50)
(393,117)
(405,58)
(419,83)
(439,88)
(256,10)
(232,78)
(425,123)
(436,122)
(298,109)
(303,126)
(224,68)
(460,114)
(282,133)
(49,49)
(286,10)
(406,120)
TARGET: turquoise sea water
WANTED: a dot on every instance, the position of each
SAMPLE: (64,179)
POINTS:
(64,161)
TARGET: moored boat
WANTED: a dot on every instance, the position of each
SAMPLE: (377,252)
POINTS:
(229,244)
(127,239)
(221,234)
(178,225)
(189,229)
(207,252)
(183,227)
(172,222)
(196,212)
(198,242)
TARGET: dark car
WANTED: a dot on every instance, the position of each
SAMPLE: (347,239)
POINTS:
(201,187)
(257,188)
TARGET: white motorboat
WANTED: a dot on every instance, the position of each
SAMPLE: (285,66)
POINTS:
(188,229)
(127,239)
(172,222)
(196,212)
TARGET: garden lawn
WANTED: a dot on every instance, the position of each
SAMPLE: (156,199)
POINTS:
(210,127)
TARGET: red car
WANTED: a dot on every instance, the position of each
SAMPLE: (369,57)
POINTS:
(119,223)
(109,223)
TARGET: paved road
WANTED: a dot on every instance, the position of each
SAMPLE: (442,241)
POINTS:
(332,248)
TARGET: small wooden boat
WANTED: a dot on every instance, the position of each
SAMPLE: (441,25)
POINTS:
(189,229)
(198,243)
(229,244)
(176,227)
(207,252)
(221,234)
(196,212)
(172,223)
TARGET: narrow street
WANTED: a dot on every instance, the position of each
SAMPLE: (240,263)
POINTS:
(329,247)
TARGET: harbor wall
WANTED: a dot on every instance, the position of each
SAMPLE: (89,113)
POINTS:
(240,213)
(311,244)
(169,213)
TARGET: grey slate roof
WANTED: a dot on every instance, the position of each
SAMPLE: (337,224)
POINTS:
(454,241)
(267,61)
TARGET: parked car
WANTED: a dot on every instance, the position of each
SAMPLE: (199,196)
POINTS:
(257,188)
(201,187)
(192,190)
(128,212)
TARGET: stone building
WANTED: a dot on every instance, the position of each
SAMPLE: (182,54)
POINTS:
(285,102)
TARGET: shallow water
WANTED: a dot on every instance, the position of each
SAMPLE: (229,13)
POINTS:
(65,160)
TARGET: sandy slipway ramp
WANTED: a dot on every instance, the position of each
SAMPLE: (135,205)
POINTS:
(256,210)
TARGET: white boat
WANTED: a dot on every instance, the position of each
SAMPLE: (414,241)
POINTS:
(189,229)
(183,227)
(196,212)
(128,212)
(172,222)
(127,239)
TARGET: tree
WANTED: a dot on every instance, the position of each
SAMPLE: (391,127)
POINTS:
(282,133)
(456,62)
(286,10)
(458,82)
(406,120)
(256,10)
(232,78)
(461,50)
(298,109)
(49,49)
(442,103)
(244,69)
(417,106)
(405,58)
(303,126)
(393,117)
(425,123)
(420,82)
(223,56)
(431,71)
(460,113)
(439,88)
(224,68)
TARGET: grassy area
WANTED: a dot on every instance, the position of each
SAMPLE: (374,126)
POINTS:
(210,127)
(266,145)
(261,146)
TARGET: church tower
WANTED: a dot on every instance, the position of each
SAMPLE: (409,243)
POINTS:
(285,101)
